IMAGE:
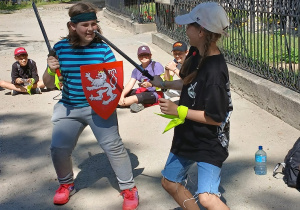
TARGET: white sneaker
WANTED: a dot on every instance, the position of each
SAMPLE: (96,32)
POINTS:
(36,91)
(166,95)
(136,107)
(176,93)
(14,92)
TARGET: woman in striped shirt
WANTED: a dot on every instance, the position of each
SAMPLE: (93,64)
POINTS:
(73,112)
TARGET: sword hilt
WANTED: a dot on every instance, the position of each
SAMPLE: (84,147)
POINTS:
(57,71)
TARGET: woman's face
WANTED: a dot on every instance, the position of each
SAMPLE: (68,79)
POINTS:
(85,31)
(22,59)
(193,33)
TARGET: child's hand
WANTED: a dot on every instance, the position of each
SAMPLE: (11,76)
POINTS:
(19,81)
(145,84)
(121,101)
(171,66)
(53,63)
(168,107)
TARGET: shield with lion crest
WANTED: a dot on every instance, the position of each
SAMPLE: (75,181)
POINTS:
(102,85)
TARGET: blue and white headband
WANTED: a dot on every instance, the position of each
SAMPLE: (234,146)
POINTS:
(84,17)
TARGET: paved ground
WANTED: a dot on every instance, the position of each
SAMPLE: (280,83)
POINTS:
(28,180)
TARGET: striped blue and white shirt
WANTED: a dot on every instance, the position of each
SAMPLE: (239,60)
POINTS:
(70,60)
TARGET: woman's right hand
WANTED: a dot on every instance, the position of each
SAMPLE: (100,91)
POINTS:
(53,63)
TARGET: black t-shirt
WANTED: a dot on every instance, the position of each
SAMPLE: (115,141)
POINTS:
(209,92)
(24,72)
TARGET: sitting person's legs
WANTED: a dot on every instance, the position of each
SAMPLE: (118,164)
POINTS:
(136,101)
(10,86)
(21,88)
(140,98)
(40,84)
(146,98)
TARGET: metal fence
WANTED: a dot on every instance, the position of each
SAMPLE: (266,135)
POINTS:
(141,11)
(264,35)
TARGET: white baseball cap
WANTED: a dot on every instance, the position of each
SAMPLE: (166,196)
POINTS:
(210,15)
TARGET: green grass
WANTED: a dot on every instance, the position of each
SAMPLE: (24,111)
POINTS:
(265,47)
(274,56)
(145,11)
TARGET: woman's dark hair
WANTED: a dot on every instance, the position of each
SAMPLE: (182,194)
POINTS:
(79,8)
(194,61)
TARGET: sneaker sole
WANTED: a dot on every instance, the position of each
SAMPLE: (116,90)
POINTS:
(71,193)
(136,208)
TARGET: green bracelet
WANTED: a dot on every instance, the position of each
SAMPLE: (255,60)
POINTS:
(182,112)
(51,73)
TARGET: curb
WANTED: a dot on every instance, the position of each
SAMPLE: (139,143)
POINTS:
(127,23)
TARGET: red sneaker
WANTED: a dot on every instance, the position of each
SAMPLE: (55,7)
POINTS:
(63,193)
(131,199)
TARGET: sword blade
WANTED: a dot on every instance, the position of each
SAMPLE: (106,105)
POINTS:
(41,26)
(141,69)
(50,50)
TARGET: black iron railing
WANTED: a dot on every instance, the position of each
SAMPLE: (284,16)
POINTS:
(140,11)
(264,35)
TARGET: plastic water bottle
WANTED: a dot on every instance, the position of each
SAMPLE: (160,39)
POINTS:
(25,81)
(260,161)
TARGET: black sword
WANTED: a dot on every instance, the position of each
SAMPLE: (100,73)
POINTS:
(51,51)
(141,69)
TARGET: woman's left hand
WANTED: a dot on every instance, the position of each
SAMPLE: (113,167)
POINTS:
(168,107)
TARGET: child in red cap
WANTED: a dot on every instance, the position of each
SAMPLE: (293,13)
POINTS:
(24,76)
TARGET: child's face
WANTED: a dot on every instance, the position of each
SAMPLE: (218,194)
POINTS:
(85,31)
(22,59)
(180,55)
(193,33)
(144,58)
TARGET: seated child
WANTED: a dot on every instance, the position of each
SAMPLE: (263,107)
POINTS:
(172,69)
(24,76)
(146,94)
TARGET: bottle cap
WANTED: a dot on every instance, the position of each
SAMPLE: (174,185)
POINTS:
(260,147)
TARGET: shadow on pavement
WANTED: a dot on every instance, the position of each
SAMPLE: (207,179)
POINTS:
(98,166)
(8,40)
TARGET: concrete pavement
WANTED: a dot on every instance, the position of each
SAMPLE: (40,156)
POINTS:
(27,177)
